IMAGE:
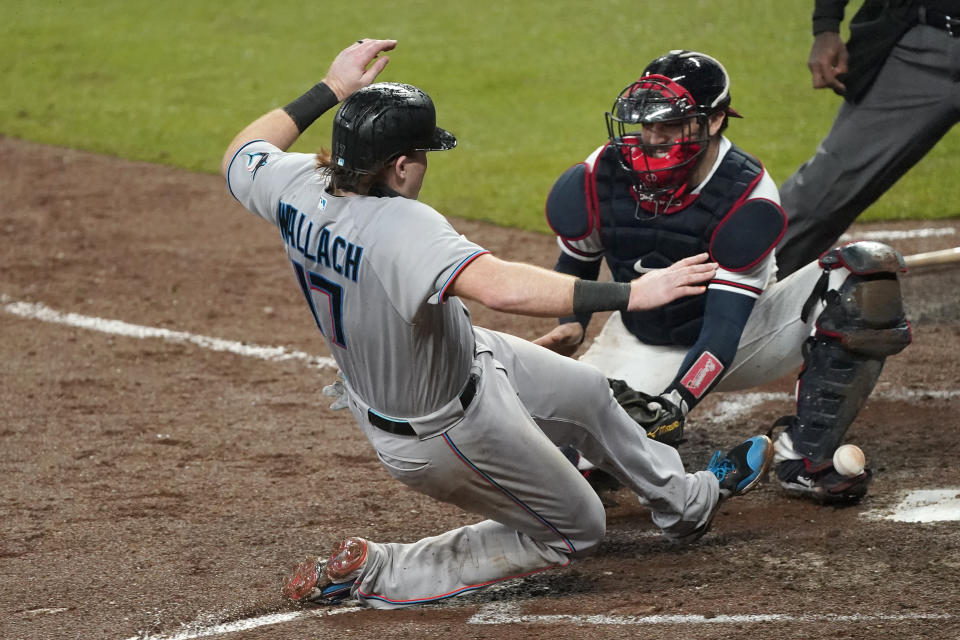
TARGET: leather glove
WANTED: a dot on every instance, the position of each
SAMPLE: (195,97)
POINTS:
(660,417)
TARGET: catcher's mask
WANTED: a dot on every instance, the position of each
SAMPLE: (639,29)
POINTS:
(383,121)
(677,92)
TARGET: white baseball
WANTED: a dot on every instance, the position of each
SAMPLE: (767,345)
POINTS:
(849,460)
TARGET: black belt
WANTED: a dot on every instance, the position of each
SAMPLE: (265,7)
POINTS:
(403,428)
(940,20)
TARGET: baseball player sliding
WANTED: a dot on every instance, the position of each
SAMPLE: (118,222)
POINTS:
(453,411)
(667,185)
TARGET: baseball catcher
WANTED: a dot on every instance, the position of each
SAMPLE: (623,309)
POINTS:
(668,184)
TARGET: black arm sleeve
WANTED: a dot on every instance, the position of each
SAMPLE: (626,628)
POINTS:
(827,15)
(311,105)
(579,269)
(725,317)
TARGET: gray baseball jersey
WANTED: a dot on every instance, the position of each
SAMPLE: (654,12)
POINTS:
(374,272)
(468,416)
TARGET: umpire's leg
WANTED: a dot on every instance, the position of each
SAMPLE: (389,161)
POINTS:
(912,104)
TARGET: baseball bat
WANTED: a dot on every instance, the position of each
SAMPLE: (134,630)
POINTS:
(933,258)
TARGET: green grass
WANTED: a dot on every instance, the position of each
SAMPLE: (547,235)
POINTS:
(523,84)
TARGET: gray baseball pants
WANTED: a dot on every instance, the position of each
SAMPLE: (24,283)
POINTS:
(498,459)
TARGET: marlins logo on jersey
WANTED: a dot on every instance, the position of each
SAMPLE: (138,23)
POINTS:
(255,161)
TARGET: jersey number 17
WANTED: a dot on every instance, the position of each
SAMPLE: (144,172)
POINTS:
(310,281)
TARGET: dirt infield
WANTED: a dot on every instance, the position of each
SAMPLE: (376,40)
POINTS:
(155,487)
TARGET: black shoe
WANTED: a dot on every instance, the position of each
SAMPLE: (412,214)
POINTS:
(821,482)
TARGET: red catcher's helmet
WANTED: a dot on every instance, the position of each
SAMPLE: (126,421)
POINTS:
(684,87)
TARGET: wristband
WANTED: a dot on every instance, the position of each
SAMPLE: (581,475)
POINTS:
(590,296)
(311,105)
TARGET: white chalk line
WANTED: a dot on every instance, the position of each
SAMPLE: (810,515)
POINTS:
(727,409)
(507,613)
(37,311)
(199,630)
(899,235)
(42,611)
(735,405)
(42,312)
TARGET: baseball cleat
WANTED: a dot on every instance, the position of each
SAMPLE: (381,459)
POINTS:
(742,467)
(821,482)
(738,471)
(327,581)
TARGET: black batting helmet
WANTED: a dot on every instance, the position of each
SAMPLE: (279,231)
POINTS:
(383,121)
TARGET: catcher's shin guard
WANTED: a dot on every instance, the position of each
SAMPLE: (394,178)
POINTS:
(861,324)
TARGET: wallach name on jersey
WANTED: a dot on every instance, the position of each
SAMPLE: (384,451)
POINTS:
(338,254)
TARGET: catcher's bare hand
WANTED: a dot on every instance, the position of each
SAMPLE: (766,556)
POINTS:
(564,338)
(348,72)
(828,57)
(660,286)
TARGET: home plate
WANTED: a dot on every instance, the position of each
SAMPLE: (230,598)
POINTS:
(924,505)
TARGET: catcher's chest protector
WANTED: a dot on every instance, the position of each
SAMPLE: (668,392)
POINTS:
(630,234)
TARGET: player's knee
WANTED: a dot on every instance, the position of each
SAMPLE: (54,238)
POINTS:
(865,312)
(592,526)
(593,382)
(583,392)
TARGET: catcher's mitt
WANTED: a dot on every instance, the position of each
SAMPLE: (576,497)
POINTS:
(660,418)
